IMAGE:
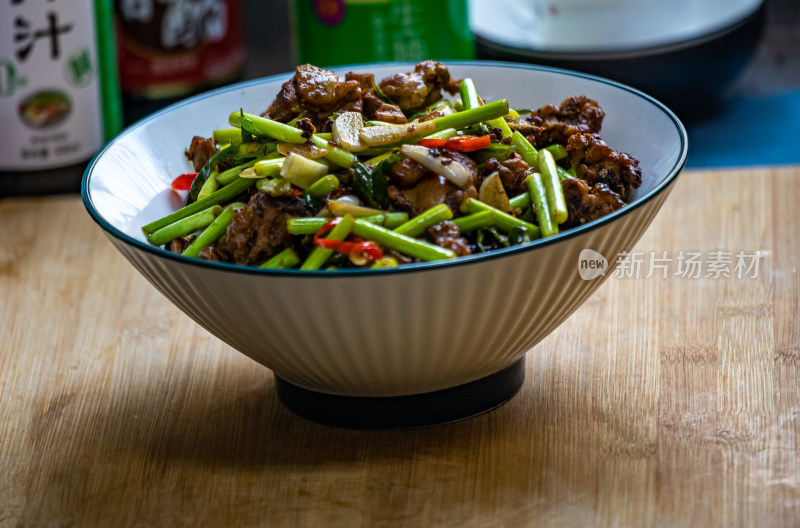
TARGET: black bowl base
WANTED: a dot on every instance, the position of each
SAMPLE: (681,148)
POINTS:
(405,412)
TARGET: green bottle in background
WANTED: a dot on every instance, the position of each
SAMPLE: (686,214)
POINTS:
(331,32)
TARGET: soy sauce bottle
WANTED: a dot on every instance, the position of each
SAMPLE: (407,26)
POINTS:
(59,94)
(170,49)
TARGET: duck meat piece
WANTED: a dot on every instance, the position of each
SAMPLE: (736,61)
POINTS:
(286,105)
(551,124)
(447,235)
(215,252)
(322,90)
(260,227)
(315,93)
(200,151)
(407,173)
(450,156)
(401,258)
(585,204)
(415,188)
(596,162)
(513,172)
(526,129)
(399,199)
(373,106)
(431,190)
(177,245)
(420,88)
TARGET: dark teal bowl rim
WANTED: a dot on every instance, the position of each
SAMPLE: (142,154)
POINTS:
(409,268)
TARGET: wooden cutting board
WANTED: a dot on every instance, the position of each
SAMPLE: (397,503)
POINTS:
(661,402)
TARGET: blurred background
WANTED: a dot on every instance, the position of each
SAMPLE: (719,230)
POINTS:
(730,69)
(774,67)
(747,73)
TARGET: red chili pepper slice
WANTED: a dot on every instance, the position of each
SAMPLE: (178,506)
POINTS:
(458,143)
(184,181)
(468,143)
(336,245)
(327,226)
(431,142)
(296,192)
(358,249)
(365,251)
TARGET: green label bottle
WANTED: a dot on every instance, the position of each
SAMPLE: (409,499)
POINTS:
(331,32)
(59,92)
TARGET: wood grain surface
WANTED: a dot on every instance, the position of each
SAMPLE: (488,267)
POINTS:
(660,402)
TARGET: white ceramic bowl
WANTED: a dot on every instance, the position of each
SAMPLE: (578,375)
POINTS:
(386,332)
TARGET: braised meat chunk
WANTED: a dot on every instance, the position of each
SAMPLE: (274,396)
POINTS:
(315,93)
(200,151)
(420,88)
(431,190)
(585,204)
(512,172)
(286,105)
(215,252)
(551,124)
(415,189)
(260,227)
(447,235)
(407,173)
(373,106)
(178,245)
(596,162)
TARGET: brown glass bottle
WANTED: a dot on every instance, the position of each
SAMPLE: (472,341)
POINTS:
(171,50)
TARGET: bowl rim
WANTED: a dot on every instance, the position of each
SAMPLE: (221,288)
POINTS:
(405,268)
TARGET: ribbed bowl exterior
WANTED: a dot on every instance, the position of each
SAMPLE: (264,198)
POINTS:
(397,333)
(387,332)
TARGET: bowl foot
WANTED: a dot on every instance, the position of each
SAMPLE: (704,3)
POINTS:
(405,412)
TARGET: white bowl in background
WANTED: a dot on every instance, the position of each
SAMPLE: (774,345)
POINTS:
(684,52)
(603,26)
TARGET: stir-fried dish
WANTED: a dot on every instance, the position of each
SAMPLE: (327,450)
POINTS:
(342,173)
